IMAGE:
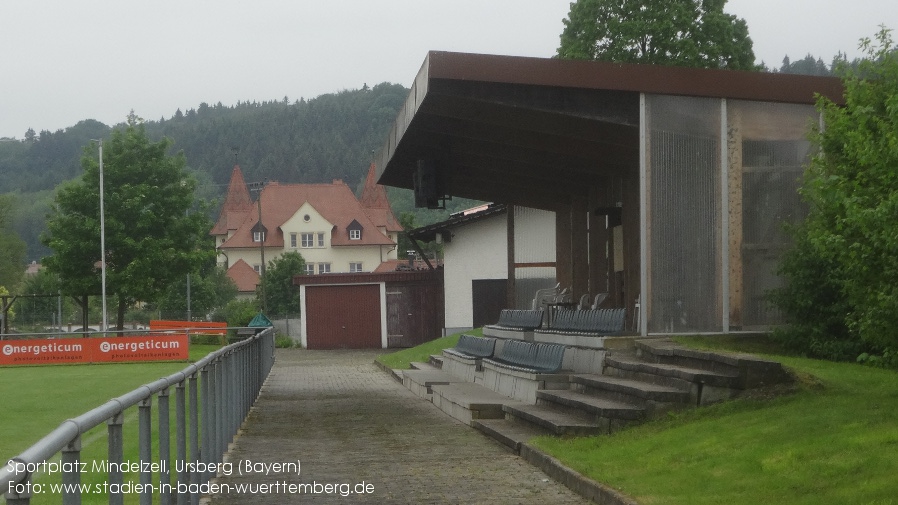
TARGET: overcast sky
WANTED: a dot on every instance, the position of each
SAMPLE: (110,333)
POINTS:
(64,61)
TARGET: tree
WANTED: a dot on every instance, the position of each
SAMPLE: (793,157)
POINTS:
(841,292)
(281,296)
(805,66)
(151,238)
(12,248)
(689,33)
(210,289)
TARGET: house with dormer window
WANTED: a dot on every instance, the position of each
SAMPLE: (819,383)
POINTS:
(334,231)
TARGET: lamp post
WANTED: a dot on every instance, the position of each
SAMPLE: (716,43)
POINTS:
(102,240)
(258,187)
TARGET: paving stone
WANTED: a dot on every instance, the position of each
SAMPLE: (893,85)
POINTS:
(348,422)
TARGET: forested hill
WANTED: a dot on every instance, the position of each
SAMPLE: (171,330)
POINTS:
(315,140)
(333,136)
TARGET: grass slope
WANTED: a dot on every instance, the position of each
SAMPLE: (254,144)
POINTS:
(833,442)
(400,360)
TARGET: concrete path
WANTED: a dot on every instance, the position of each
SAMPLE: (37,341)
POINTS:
(357,432)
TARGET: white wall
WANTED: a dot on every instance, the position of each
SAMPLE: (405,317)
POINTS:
(477,251)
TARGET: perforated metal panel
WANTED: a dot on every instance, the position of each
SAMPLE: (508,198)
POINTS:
(684,214)
(768,150)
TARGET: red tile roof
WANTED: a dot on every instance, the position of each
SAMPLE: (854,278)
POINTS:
(236,207)
(243,276)
(377,206)
(335,202)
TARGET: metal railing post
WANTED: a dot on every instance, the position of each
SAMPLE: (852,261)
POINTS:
(164,449)
(195,454)
(20,494)
(115,457)
(181,440)
(218,410)
(145,448)
(71,454)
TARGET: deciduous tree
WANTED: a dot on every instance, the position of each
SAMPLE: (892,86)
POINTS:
(151,239)
(689,33)
(281,296)
(12,248)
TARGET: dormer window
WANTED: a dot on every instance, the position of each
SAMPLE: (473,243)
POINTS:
(355,230)
(259,233)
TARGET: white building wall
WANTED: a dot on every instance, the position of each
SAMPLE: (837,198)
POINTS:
(477,251)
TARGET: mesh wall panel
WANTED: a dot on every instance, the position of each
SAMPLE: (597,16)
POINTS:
(767,154)
(684,214)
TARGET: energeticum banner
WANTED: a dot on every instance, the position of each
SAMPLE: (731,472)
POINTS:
(168,347)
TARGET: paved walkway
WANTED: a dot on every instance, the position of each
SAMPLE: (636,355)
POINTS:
(356,429)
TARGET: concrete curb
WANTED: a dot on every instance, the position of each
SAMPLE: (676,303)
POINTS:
(395,374)
(587,488)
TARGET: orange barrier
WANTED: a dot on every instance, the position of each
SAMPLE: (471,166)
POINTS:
(168,347)
(210,328)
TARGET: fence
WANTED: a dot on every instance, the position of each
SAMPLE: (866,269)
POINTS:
(211,396)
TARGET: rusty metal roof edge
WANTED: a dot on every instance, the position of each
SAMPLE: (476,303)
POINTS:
(405,116)
(655,79)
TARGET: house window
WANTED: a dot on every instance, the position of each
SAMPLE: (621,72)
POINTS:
(355,234)
(324,268)
(293,240)
(320,240)
(355,267)
(258,269)
(310,269)
(308,240)
(258,236)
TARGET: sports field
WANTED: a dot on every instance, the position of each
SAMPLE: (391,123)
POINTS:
(36,399)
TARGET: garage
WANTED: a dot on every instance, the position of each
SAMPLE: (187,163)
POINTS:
(343,317)
(370,310)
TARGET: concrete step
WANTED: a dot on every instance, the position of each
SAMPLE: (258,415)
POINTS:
(467,401)
(666,374)
(557,422)
(598,407)
(752,371)
(509,432)
(420,365)
(624,389)
(436,360)
(421,382)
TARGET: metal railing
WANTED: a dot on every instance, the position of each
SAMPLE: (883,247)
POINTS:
(211,397)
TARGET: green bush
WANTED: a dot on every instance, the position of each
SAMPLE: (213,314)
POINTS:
(841,292)
(283,342)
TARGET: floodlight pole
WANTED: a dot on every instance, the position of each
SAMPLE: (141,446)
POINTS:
(258,187)
(103,240)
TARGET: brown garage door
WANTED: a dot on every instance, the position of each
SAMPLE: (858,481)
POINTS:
(343,317)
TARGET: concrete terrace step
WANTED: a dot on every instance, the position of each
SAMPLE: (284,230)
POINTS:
(420,382)
(752,371)
(679,372)
(508,432)
(556,422)
(630,387)
(467,401)
(436,360)
(419,365)
(600,407)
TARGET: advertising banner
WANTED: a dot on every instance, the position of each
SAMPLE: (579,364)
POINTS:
(168,347)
